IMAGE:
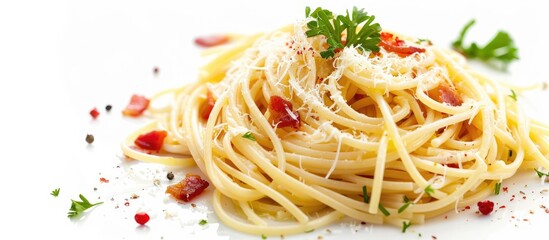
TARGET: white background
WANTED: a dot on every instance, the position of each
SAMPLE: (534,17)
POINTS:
(59,59)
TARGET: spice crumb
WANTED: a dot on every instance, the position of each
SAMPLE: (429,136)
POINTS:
(108,108)
(90,138)
(170,176)
(156,70)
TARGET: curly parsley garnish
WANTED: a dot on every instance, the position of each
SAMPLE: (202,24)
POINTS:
(55,192)
(333,26)
(501,48)
(429,190)
(541,174)
(79,207)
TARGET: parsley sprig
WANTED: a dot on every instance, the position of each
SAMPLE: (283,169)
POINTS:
(501,48)
(332,27)
(78,207)
(55,192)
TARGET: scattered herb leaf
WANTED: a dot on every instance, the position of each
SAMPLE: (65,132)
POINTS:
(423,40)
(249,135)
(406,225)
(541,174)
(401,209)
(263,236)
(429,190)
(513,95)
(79,207)
(500,48)
(383,210)
(309,231)
(332,26)
(365,194)
(497,188)
(55,192)
(203,222)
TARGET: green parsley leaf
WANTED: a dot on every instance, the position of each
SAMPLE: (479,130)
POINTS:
(263,236)
(55,192)
(501,48)
(383,210)
(249,135)
(401,209)
(513,95)
(406,225)
(365,194)
(79,207)
(541,174)
(203,222)
(309,231)
(429,190)
(497,188)
(332,27)
(424,40)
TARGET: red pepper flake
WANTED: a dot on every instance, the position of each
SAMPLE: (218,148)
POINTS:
(283,114)
(211,41)
(505,189)
(94,113)
(104,180)
(152,140)
(142,218)
(191,186)
(452,165)
(467,207)
(485,207)
(502,206)
(397,45)
(138,104)
(209,105)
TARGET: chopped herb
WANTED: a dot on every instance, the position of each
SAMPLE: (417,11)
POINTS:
(249,135)
(309,231)
(365,194)
(203,222)
(263,236)
(406,199)
(406,225)
(401,209)
(383,210)
(513,95)
(500,48)
(541,174)
(421,40)
(79,207)
(497,188)
(55,192)
(333,26)
(429,190)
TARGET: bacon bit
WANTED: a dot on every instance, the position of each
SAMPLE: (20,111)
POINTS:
(94,113)
(283,114)
(138,104)
(191,186)
(485,207)
(211,41)
(104,180)
(397,45)
(452,165)
(208,105)
(152,140)
(445,94)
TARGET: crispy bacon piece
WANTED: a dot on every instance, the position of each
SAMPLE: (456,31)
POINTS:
(138,104)
(444,93)
(211,41)
(209,105)
(152,140)
(188,188)
(397,45)
(283,114)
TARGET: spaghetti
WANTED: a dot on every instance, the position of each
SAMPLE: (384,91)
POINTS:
(382,138)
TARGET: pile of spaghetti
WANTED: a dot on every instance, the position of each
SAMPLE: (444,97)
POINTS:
(294,140)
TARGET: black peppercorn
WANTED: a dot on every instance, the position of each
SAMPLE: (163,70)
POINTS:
(170,176)
(89,138)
